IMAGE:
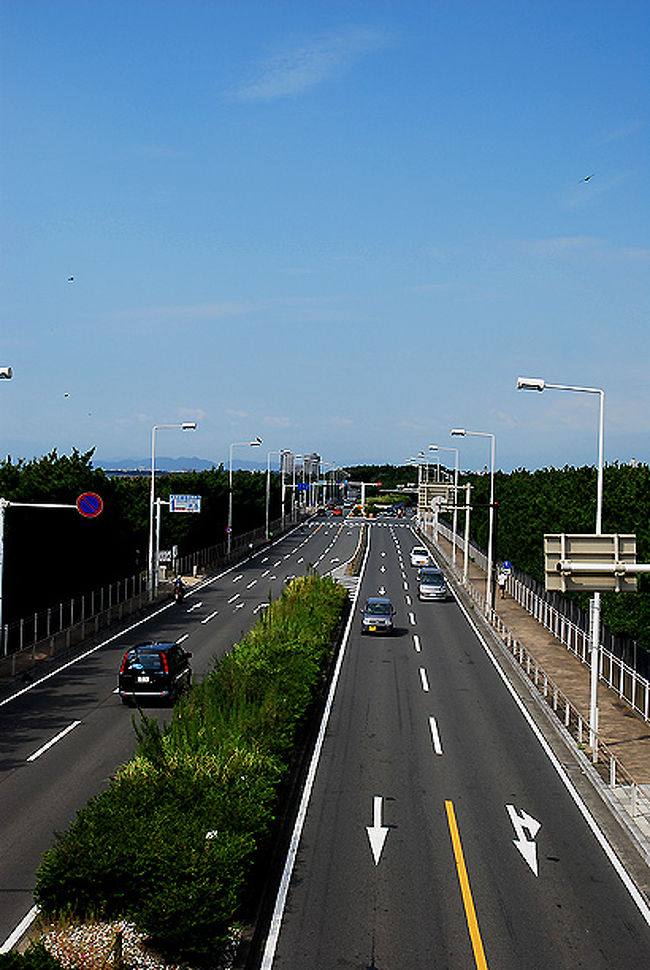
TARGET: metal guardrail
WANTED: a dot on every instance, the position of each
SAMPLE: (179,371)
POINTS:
(52,631)
(630,795)
(631,687)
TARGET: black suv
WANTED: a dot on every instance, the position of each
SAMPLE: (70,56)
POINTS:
(154,671)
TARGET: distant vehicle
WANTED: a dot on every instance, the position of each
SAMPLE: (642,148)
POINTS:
(377,615)
(337,510)
(154,671)
(431,584)
(419,556)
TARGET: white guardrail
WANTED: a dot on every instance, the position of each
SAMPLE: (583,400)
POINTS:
(630,686)
(625,792)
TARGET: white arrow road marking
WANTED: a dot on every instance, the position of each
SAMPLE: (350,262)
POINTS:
(416,643)
(435,736)
(210,617)
(424,679)
(58,737)
(381,590)
(195,607)
(523,822)
(377,832)
(382,569)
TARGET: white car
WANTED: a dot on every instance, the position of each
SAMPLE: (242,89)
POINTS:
(419,556)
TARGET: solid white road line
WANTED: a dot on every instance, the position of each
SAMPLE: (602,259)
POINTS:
(20,930)
(49,744)
(435,736)
(618,866)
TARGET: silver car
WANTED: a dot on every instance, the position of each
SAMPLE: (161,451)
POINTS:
(431,584)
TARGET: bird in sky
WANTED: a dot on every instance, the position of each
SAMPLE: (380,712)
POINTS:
(70,279)
(587,177)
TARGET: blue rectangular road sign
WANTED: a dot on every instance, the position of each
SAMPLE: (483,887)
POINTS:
(184,503)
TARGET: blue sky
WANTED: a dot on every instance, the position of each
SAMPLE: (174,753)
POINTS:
(344,227)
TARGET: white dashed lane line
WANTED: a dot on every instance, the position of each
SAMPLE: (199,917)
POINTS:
(210,617)
(54,740)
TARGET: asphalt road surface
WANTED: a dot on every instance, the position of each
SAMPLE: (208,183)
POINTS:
(63,737)
(439,832)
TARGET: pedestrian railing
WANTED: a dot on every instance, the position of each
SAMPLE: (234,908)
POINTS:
(625,791)
(46,633)
(632,688)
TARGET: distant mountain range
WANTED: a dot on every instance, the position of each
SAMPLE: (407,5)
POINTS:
(170,464)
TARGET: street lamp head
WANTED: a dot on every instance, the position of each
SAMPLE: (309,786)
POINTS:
(254,444)
(6,373)
(189,426)
(458,431)
(433,448)
(530,384)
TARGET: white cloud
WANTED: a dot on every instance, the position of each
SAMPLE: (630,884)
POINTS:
(274,421)
(560,245)
(314,62)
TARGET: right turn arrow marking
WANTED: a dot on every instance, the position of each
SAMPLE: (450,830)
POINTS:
(524,823)
(377,832)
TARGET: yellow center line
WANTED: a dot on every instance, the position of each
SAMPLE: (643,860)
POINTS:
(466,892)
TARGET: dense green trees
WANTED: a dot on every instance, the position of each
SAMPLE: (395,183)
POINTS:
(52,555)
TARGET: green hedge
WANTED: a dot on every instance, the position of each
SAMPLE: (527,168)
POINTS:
(170,843)
(35,957)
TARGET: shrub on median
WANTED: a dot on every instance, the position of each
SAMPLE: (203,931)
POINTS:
(170,842)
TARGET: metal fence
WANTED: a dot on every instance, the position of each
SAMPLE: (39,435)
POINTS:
(558,615)
(624,791)
(47,632)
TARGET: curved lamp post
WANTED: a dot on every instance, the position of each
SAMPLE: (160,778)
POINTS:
(236,444)
(486,434)
(538,384)
(455,517)
(153,567)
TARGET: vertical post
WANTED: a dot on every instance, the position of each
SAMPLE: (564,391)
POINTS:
(467,515)
(3,505)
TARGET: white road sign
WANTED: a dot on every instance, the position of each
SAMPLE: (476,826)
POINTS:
(184,503)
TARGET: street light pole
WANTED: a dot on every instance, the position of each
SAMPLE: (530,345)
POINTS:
(281,452)
(236,444)
(455,516)
(153,568)
(486,434)
(539,384)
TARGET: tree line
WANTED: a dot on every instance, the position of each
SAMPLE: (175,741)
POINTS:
(51,555)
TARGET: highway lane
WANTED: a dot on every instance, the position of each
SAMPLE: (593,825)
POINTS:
(78,705)
(484,857)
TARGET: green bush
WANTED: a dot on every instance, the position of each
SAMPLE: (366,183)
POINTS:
(35,957)
(171,841)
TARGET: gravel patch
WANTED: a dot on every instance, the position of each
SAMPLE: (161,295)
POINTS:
(92,946)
